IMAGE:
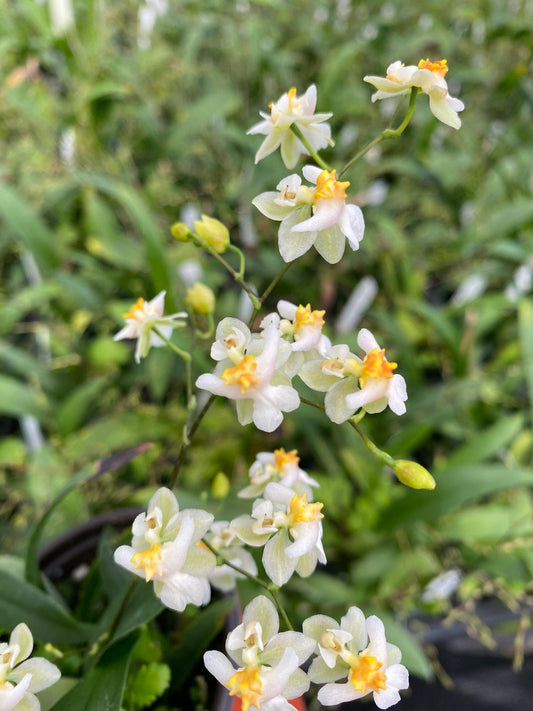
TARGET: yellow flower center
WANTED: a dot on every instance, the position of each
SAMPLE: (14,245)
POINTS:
(149,559)
(440,67)
(305,317)
(242,374)
(328,188)
(282,458)
(300,510)
(137,306)
(365,675)
(375,365)
(292,96)
(332,366)
(247,684)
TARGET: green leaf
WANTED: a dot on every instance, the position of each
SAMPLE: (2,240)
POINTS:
(149,683)
(75,407)
(525,325)
(489,442)
(455,488)
(23,222)
(196,639)
(16,398)
(48,620)
(102,688)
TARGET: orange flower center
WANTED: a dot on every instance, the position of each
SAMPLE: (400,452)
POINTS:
(247,684)
(300,510)
(149,559)
(365,675)
(242,374)
(328,188)
(305,317)
(375,365)
(137,306)
(440,67)
(281,457)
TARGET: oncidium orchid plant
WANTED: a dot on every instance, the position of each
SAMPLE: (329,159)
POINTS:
(182,553)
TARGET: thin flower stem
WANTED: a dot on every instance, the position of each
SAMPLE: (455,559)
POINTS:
(275,281)
(237,276)
(376,451)
(353,422)
(314,155)
(386,133)
(269,587)
(186,357)
(190,430)
(237,251)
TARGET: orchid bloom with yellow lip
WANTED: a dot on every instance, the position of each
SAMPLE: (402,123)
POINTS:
(428,76)
(261,391)
(165,550)
(142,318)
(290,529)
(21,677)
(291,109)
(281,467)
(268,661)
(355,651)
(310,216)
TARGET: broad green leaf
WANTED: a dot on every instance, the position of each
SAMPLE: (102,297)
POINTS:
(102,688)
(485,524)
(24,223)
(16,398)
(48,620)
(75,407)
(489,442)
(197,638)
(455,488)
(504,220)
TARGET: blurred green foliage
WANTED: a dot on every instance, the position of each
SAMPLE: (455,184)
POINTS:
(105,142)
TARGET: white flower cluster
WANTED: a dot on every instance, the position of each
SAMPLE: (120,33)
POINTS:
(256,369)
(355,654)
(20,677)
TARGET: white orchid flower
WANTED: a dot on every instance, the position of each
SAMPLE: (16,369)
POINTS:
(20,677)
(427,76)
(289,110)
(166,549)
(232,340)
(142,318)
(268,661)
(289,527)
(278,466)
(355,650)
(316,217)
(379,386)
(262,392)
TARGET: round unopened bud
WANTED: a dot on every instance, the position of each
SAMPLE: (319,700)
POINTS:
(200,298)
(213,232)
(413,475)
(181,232)
(220,486)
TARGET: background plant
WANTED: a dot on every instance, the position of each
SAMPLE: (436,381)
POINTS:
(448,241)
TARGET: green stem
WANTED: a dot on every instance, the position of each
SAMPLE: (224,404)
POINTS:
(314,155)
(269,587)
(237,276)
(313,404)
(233,248)
(275,281)
(386,133)
(186,357)
(190,430)
(376,451)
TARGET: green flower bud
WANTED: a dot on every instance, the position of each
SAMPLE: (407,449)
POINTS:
(181,232)
(413,475)
(200,298)
(220,486)
(213,232)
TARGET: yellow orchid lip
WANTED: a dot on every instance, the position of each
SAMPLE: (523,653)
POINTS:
(439,67)
(329,188)
(242,374)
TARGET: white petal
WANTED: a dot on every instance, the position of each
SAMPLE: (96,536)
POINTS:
(386,698)
(262,610)
(21,637)
(366,340)
(265,203)
(157,304)
(311,173)
(219,666)
(291,246)
(442,110)
(378,644)
(181,590)
(332,694)
(11,697)
(327,213)
(354,623)
(398,676)
(374,390)
(397,394)
(330,244)
(291,149)
(338,409)
(277,566)
(43,673)
(352,224)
